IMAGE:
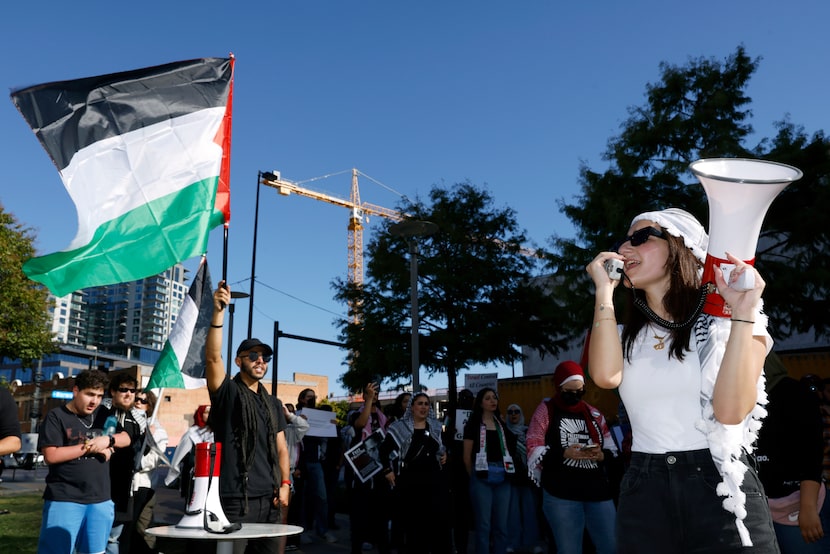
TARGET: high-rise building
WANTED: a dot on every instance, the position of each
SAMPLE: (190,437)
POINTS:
(69,318)
(116,318)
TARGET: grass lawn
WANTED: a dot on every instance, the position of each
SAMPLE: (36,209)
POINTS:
(19,529)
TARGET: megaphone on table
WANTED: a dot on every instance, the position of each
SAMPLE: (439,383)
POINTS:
(204,509)
(739,192)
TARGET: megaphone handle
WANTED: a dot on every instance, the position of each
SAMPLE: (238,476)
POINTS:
(743,282)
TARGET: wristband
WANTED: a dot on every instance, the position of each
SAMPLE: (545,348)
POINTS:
(216,326)
(112,441)
(743,321)
(286,483)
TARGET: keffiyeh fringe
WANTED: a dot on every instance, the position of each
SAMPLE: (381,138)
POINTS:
(727,442)
(534,464)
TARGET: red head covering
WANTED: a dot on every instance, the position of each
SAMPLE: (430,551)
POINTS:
(564,373)
(567,371)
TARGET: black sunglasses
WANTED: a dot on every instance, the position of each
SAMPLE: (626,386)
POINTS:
(513,412)
(125,389)
(638,237)
(254,356)
(141,401)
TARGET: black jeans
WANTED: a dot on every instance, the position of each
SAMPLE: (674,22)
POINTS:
(668,505)
(260,510)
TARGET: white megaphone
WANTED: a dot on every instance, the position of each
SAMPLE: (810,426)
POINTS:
(739,192)
(204,509)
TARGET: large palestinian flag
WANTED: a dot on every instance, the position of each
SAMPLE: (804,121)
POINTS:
(145,157)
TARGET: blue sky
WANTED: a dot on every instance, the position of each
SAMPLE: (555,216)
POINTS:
(511,96)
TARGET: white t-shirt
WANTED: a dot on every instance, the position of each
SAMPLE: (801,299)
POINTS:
(662,396)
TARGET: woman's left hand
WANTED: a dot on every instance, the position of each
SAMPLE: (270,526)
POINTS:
(742,303)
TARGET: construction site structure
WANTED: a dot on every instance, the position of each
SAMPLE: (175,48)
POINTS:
(359,214)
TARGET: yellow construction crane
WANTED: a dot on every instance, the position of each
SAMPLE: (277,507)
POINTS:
(359,212)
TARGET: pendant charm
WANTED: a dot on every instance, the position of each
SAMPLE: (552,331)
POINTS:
(660,345)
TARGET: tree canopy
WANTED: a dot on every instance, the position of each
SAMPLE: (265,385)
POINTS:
(701,110)
(477,298)
(24,331)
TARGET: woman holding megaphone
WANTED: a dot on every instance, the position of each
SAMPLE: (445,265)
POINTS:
(690,383)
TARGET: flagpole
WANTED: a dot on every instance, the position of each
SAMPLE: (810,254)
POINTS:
(225,253)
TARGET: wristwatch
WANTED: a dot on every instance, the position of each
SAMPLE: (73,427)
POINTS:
(112,441)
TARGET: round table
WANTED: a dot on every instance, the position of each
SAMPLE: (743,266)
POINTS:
(224,543)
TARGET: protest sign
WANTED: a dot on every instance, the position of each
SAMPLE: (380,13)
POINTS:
(321,423)
(474,382)
(364,457)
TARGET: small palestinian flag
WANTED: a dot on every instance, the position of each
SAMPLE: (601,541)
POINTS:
(182,361)
(145,157)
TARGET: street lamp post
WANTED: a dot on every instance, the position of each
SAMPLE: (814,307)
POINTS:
(253,258)
(410,229)
(231,309)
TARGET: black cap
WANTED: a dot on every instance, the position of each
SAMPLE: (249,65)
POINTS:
(249,344)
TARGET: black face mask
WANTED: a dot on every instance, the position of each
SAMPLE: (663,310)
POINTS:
(572,397)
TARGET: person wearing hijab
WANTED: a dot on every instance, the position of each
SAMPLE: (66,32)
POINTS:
(692,387)
(523,519)
(182,463)
(568,442)
(413,456)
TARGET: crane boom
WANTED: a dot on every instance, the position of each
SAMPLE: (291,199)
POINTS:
(359,211)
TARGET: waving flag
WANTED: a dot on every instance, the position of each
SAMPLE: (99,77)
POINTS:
(145,157)
(182,361)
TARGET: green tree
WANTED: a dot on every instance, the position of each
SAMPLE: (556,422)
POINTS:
(696,111)
(24,331)
(477,298)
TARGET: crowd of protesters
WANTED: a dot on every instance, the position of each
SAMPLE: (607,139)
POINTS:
(692,396)
(548,483)
(496,479)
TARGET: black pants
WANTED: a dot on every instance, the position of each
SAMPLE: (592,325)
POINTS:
(369,513)
(260,510)
(668,504)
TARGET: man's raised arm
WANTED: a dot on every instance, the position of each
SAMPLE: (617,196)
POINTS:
(215,368)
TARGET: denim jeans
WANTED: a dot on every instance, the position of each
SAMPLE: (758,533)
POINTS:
(66,525)
(315,500)
(568,520)
(490,504)
(791,541)
(669,503)
(523,520)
